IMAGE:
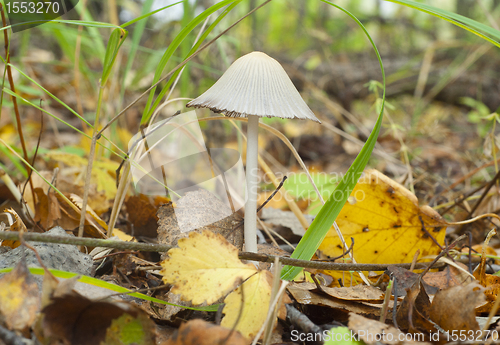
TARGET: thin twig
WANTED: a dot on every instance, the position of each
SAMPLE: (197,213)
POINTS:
(485,192)
(272,195)
(149,247)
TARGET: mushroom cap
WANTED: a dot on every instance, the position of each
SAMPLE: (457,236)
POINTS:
(255,84)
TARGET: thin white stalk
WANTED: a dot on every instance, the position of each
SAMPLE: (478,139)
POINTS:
(251,184)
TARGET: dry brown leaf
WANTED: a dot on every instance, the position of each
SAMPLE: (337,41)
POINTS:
(454,308)
(489,281)
(370,330)
(417,304)
(142,215)
(341,307)
(17,225)
(74,319)
(199,332)
(450,276)
(70,219)
(47,209)
(358,293)
(405,279)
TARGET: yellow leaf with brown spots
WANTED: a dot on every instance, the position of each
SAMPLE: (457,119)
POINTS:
(248,305)
(204,268)
(386,222)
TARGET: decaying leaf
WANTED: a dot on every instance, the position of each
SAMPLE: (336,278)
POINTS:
(413,313)
(199,210)
(91,216)
(142,215)
(17,225)
(455,308)
(47,209)
(248,305)
(199,332)
(372,332)
(448,277)
(303,295)
(358,293)
(19,299)
(383,217)
(405,279)
(130,330)
(489,281)
(204,268)
(74,319)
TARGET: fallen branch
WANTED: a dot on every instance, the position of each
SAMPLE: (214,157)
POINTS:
(150,247)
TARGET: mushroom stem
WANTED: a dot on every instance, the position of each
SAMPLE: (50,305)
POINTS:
(252,184)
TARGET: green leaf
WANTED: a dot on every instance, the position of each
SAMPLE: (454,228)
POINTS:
(329,212)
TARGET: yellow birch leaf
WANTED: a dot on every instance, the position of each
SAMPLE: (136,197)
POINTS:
(249,304)
(204,268)
(386,222)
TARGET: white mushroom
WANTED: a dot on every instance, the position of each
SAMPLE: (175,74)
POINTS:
(254,86)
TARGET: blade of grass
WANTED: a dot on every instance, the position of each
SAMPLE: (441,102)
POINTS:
(108,286)
(194,48)
(116,40)
(85,23)
(465,23)
(329,212)
(169,74)
(136,38)
(121,154)
(149,109)
(135,20)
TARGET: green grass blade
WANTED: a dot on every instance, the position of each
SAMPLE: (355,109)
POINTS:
(136,38)
(117,38)
(465,23)
(195,47)
(145,9)
(119,154)
(148,110)
(108,286)
(99,46)
(329,212)
(13,159)
(71,22)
